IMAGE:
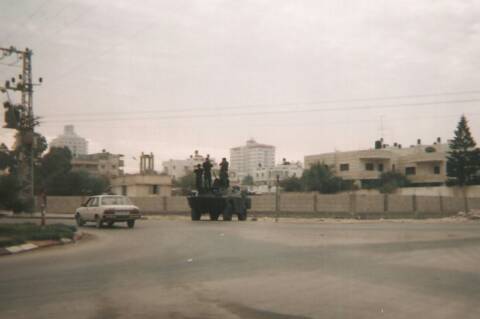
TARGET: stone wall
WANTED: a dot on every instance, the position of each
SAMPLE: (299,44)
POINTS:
(338,205)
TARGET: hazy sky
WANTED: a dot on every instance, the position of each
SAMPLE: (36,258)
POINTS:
(170,77)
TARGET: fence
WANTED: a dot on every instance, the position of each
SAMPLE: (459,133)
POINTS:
(307,204)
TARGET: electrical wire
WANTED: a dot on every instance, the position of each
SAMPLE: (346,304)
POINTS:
(266,113)
(180,110)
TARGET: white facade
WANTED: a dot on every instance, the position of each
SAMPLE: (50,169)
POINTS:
(245,160)
(178,168)
(76,144)
(268,176)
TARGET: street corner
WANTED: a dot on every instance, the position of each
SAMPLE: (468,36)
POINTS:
(36,244)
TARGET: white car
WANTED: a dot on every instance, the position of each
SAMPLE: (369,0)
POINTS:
(107,209)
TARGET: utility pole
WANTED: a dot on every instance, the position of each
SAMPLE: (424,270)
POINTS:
(23,119)
(277,198)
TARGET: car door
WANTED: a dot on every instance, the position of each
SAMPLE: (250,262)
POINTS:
(92,208)
(83,210)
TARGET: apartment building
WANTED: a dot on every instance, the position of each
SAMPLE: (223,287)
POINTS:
(177,168)
(103,164)
(268,176)
(246,160)
(422,164)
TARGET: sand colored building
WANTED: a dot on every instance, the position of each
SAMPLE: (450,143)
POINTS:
(422,164)
(146,183)
(102,164)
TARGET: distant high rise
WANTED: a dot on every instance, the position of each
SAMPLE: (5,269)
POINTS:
(245,160)
(77,145)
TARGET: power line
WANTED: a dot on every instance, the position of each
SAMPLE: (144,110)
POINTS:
(212,108)
(274,113)
(303,124)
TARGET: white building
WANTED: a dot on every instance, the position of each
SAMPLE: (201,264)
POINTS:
(246,160)
(178,168)
(268,176)
(76,144)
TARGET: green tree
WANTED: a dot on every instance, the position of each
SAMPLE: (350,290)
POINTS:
(52,170)
(186,183)
(247,180)
(320,178)
(390,181)
(9,193)
(463,161)
(292,184)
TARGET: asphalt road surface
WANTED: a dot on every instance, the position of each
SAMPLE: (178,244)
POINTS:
(182,269)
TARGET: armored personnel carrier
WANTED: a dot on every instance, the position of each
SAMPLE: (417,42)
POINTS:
(219,198)
(226,204)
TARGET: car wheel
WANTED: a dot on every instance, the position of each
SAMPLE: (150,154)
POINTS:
(131,223)
(79,220)
(98,222)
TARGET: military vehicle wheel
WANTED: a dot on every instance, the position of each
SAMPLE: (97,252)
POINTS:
(242,216)
(227,212)
(214,215)
(110,223)
(196,215)
(130,223)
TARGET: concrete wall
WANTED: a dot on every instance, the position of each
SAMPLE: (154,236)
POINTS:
(472,191)
(263,203)
(297,202)
(338,205)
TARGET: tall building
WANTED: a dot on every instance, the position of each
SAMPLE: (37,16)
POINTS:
(422,164)
(76,144)
(245,160)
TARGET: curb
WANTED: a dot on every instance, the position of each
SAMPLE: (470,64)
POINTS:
(35,244)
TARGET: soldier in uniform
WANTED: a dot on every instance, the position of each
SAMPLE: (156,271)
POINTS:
(224,173)
(207,173)
(198,177)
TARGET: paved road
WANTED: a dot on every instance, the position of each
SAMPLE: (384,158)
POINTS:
(181,269)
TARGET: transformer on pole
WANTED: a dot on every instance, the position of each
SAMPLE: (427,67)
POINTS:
(21,117)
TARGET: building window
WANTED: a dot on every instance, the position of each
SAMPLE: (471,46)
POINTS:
(410,170)
(344,167)
(436,170)
(155,189)
(369,167)
(380,167)
(124,190)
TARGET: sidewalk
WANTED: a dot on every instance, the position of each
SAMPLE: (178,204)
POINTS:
(37,215)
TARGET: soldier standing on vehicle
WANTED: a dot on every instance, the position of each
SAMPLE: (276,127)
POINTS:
(207,173)
(224,173)
(198,177)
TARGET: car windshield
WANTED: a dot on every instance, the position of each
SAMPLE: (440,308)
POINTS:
(115,200)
